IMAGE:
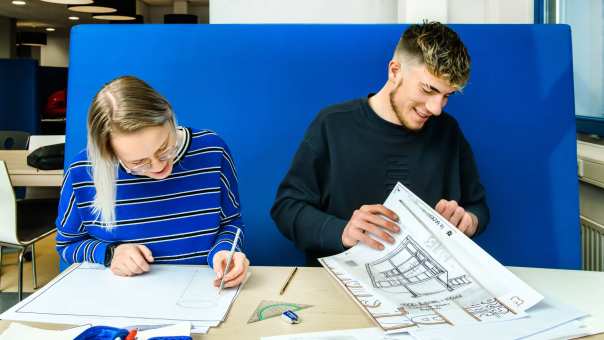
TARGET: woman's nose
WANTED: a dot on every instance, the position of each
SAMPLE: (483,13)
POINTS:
(157,165)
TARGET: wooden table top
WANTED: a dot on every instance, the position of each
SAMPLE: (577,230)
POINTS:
(22,174)
(333,309)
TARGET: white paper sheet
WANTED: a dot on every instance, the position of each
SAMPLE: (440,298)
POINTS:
(17,331)
(179,329)
(91,294)
(569,330)
(348,334)
(199,330)
(545,316)
(432,276)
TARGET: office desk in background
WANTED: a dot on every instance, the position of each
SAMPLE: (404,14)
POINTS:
(23,175)
(333,309)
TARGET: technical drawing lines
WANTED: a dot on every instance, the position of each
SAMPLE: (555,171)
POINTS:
(409,268)
(488,309)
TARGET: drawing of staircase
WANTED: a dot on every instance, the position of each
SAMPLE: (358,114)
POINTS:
(410,269)
(459,281)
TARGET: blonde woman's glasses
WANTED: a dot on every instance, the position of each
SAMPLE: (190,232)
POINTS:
(167,155)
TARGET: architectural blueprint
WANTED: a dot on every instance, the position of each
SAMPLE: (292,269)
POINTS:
(432,276)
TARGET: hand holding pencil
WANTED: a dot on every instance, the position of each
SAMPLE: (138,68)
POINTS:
(233,272)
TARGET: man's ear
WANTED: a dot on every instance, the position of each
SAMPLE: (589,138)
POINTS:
(394,70)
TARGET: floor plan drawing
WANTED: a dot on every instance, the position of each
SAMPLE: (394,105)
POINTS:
(489,308)
(432,275)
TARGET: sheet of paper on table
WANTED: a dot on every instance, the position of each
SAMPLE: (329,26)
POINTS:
(547,318)
(348,334)
(20,331)
(90,294)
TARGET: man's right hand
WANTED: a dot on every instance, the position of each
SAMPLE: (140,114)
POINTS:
(367,220)
(131,259)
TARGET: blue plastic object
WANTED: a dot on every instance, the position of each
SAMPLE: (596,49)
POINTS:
(103,333)
(113,333)
(259,86)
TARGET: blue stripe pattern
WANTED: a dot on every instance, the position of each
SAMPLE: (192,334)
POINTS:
(185,218)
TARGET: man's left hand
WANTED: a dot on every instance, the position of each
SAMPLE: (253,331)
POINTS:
(465,221)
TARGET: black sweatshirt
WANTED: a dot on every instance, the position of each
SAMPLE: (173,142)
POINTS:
(350,157)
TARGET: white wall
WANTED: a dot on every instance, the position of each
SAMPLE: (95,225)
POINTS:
(417,11)
(490,11)
(303,11)
(370,11)
(56,51)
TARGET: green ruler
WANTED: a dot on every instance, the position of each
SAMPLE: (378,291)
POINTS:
(268,309)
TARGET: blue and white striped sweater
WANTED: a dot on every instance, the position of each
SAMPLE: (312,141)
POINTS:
(183,219)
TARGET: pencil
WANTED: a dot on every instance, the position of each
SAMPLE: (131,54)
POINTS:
(229,259)
(289,279)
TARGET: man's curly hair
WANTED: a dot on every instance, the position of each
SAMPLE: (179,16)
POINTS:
(439,48)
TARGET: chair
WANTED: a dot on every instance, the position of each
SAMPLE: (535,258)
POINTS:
(21,228)
(13,140)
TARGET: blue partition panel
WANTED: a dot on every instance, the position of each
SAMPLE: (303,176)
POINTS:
(18,95)
(259,86)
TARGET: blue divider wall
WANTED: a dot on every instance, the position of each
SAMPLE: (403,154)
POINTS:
(18,95)
(259,86)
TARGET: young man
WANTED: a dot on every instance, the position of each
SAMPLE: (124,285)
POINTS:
(354,153)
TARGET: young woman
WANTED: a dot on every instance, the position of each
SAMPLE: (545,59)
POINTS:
(146,190)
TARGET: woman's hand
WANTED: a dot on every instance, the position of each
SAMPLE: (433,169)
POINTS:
(237,268)
(131,259)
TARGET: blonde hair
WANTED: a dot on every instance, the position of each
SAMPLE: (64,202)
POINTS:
(124,105)
(439,48)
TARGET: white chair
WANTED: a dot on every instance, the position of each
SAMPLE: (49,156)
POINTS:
(23,223)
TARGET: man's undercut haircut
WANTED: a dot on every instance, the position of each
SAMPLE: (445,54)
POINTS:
(437,47)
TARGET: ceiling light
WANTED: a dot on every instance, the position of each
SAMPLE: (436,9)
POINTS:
(50,29)
(99,6)
(19,2)
(70,2)
(91,9)
(125,10)
(114,17)
(74,18)
(139,19)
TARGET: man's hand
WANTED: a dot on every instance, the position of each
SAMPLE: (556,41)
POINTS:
(237,268)
(465,221)
(131,259)
(367,220)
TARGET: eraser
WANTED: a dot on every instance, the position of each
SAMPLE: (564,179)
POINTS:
(290,317)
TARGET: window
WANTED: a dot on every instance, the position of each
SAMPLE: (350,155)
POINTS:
(586,19)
